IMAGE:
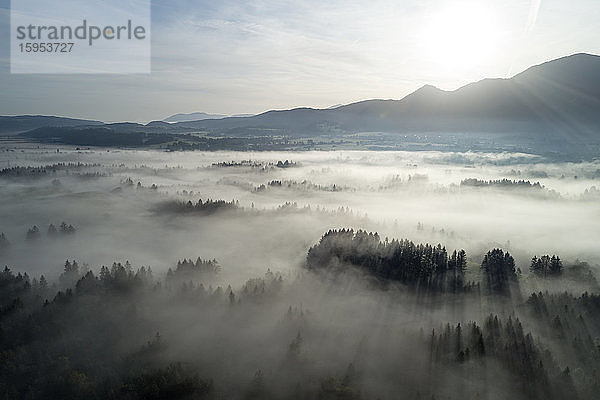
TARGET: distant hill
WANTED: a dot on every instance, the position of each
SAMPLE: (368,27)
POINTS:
(560,95)
(22,123)
(547,107)
(195,116)
(97,136)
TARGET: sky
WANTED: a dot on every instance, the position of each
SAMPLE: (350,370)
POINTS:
(233,57)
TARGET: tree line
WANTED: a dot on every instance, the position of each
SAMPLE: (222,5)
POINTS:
(422,266)
(426,267)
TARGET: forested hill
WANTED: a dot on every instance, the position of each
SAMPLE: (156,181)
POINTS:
(22,123)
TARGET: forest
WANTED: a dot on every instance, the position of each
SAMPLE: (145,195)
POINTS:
(149,274)
(79,337)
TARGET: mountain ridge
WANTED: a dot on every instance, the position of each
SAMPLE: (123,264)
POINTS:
(555,97)
(552,95)
(12,124)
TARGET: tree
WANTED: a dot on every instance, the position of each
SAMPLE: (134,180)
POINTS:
(52,230)
(499,269)
(70,274)
(33,233)
(555,265)
(66,229)
(546,265)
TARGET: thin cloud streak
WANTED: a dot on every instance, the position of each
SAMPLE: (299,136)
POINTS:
(534,11)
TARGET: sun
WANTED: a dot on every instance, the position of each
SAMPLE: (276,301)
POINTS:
(461,36)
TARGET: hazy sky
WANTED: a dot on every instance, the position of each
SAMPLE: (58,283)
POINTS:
(247,57)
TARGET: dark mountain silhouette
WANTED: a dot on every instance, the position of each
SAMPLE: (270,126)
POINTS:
(560,95)
(22,123)
(544,108)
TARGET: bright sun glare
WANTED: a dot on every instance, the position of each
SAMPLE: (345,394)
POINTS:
(461,36)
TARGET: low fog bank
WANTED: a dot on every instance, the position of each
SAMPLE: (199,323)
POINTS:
(236,307)
(421,196)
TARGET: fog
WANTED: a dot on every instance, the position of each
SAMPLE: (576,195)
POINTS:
(386,192)
(284,339)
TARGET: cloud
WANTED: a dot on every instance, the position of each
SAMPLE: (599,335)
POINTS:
(533,14)
(235,57)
